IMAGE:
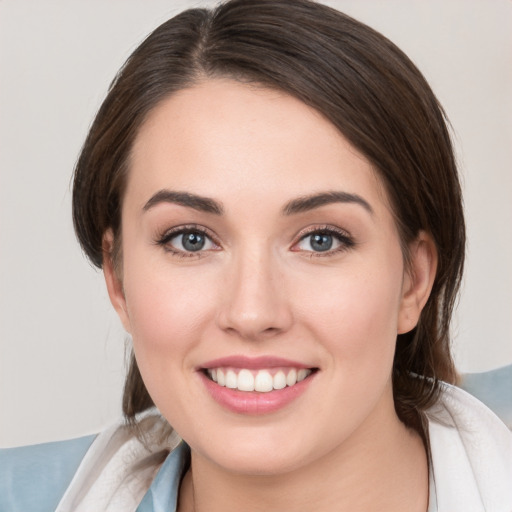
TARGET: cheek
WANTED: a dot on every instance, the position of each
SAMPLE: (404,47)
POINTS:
(355,316)
(167,308)
(170,317)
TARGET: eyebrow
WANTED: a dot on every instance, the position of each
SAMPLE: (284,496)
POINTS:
(200,203)
(299,205)
(307,203)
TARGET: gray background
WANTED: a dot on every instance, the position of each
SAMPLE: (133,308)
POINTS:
(62,350)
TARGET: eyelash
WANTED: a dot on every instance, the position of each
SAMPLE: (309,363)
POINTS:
(164,240)
(345,240)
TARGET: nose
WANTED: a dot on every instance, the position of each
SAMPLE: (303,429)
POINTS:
(255,305)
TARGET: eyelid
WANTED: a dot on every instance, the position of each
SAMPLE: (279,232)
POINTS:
(164,238)
(344,237)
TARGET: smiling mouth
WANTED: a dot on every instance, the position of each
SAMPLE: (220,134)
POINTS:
(261,381)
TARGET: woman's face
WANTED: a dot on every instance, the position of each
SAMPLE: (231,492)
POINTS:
(259,250)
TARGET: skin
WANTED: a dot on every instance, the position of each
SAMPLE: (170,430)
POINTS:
(259,289)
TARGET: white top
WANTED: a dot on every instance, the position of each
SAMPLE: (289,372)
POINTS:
(471,452)
(471,463)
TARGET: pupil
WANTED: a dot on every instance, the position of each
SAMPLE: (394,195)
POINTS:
(321,242)
(193,241)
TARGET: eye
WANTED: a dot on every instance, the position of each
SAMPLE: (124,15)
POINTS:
(325,240)
(187,240)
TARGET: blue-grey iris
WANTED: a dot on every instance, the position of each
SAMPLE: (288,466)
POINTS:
(193,241)
(321,242)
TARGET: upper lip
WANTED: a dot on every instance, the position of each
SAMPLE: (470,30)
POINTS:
(252,363)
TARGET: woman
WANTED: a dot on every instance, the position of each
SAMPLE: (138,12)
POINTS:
(270,190)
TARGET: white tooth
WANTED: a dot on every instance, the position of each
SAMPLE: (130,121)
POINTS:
(245,381)
(231,379)
(279,380)
(213,374)
(221,379)
(291,378)
(302,374)
(263,382)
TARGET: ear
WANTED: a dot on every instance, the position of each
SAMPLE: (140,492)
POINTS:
(418,281)
(113,280)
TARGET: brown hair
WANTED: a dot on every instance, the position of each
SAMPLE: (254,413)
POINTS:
(357,79)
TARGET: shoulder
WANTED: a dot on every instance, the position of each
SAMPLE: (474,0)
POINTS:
(494,389)
(471,450)
(120,466)
(34,478)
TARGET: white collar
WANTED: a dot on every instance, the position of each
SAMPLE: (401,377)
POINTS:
(471,455)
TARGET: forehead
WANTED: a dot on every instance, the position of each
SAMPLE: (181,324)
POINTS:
(222,137)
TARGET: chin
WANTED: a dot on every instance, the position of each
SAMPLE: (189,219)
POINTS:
(257,453)
(260,463)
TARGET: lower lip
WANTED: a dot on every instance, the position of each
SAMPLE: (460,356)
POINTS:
(253,402)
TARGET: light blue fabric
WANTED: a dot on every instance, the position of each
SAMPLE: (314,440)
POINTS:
(34,478)
(162,496)
(494,389)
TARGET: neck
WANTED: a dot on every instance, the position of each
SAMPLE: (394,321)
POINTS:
(382,466)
